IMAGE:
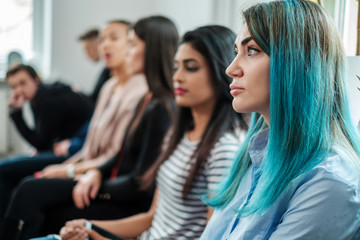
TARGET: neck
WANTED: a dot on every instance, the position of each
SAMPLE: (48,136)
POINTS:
(121,74)
(266,117)
(201,116)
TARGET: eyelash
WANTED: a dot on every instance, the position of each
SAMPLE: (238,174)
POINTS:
(189,69)
(252,49)
(192,69)
(248,49)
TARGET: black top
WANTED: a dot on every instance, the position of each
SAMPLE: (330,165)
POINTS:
(58,114)
(104,76)
(141,150)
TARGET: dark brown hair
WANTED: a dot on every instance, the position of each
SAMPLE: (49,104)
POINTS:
(161,38)
(22,67)
(89,35)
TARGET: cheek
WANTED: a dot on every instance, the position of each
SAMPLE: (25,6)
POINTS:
(206,85)
(137,59)
(255,99)
(130,57)
(138,62)
(201,88)
(206,91)
(119,51)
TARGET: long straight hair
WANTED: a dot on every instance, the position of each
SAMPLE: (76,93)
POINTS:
(215,43)
(161,37)
(309,110)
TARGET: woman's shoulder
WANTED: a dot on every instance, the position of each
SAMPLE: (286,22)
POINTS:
(137,79)
(337,178)
(338,168)
(107,88)
(226,147)
(110,83)
(229,138)
(135,88)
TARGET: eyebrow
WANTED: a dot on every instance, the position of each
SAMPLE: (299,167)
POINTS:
(246,40)
(187,60)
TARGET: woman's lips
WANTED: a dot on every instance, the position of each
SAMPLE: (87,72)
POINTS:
(107,56)
(180,91)
(236,90)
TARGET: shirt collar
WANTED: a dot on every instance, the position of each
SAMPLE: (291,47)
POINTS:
(257,146)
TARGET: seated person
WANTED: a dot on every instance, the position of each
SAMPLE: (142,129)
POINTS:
(58,111)
(49,201)
(298,175)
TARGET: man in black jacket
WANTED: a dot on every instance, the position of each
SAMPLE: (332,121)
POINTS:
(58,113)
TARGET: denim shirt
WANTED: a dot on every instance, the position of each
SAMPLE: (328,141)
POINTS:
(325,204)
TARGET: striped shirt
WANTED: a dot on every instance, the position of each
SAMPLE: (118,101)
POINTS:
(178,218)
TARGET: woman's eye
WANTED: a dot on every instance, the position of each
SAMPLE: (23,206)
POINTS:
(114,38)
(192,69)
(252,51)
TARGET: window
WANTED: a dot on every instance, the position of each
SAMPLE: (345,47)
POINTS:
(16,30)
(345,15)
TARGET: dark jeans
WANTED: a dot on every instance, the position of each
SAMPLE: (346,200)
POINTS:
(14,169)
(46,204)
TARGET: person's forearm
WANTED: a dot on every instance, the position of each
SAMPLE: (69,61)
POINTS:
(88,164)
(24,129)
(130,227)
(75,158)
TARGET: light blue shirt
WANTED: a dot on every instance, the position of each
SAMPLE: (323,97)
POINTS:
(325,204)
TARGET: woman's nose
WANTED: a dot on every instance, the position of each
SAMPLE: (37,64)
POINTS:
(235,69)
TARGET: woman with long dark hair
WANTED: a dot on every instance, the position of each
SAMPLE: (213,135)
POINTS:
(199,148)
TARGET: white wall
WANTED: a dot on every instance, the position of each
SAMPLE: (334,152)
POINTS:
(71,18)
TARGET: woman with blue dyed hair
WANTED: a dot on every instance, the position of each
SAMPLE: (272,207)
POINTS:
(297,176)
